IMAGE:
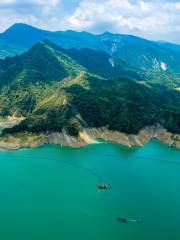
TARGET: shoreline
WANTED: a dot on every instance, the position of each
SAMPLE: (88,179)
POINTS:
(89,136)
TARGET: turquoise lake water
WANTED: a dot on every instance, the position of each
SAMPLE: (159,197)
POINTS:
(50,193)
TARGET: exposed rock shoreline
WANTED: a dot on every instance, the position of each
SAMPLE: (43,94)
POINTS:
(90,136)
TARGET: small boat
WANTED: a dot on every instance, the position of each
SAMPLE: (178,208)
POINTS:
(102,186)
(122,220)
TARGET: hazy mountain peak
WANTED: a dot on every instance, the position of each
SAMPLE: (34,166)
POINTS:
(136,51)
(21,27)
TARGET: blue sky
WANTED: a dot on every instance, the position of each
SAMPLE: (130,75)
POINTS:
(153,19)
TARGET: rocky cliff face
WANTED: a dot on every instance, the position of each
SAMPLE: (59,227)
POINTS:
(144,136)
(90,136)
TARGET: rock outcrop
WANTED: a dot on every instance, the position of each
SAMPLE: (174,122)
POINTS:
(90,136)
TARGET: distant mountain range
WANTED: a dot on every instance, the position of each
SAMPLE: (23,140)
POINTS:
(72,89)
(136,52)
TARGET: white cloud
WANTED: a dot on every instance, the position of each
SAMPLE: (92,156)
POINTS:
(29,2)
(35,12)
(156,19)
(148,18)
(3,2)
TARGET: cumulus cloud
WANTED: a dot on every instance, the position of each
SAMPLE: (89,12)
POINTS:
(155,19)
(3,2)
(35,12)
(152,19)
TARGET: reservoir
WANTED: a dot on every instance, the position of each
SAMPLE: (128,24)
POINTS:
(50,193)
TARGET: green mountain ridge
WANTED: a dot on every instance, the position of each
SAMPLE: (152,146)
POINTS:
(9,50)
(53,91)
(107,66)
(135,51)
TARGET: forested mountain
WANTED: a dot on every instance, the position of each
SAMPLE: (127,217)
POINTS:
(57,89)
(135,51)
(9,50)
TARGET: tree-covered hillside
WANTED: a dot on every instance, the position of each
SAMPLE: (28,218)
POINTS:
(9,50)
(53,91)
(135,51)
